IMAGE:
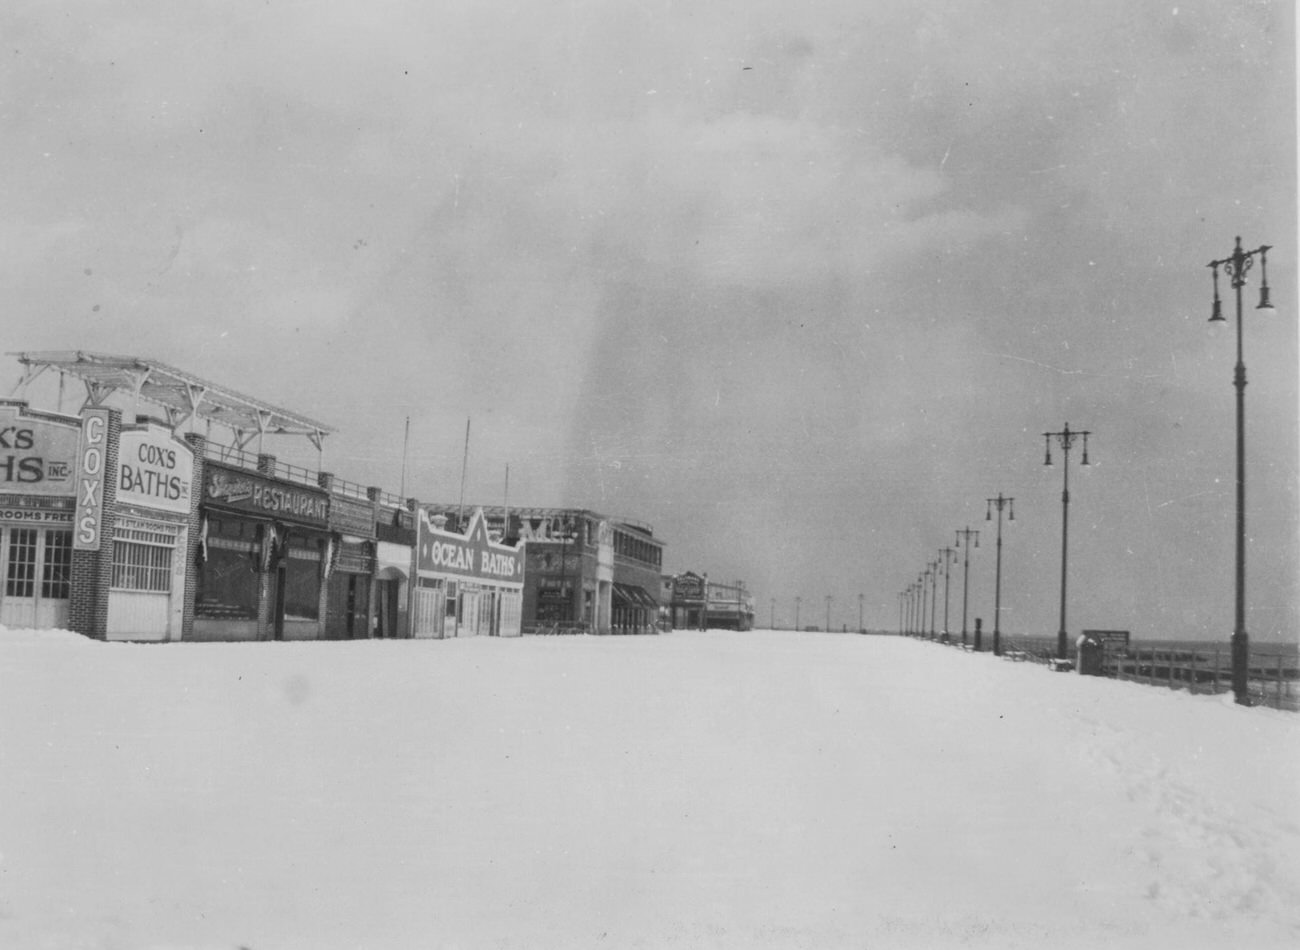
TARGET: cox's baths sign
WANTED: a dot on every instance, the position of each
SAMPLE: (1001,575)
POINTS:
(247,491)
(471,555)
(92,470)
(154,469)
(38,451)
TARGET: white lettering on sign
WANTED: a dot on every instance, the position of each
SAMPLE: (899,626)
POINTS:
(228,488)
(90,493)
(472,554)
(441,554)
(266,496)
(499,565)
(26,514)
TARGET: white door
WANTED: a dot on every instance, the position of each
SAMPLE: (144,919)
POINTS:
(138,615)
(37,568)
(427,621)
(470,614)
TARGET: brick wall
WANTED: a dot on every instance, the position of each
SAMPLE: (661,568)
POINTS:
(92,570)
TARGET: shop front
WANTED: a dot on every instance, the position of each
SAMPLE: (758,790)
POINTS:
(350,606)
(466,584)
(150,535)
(265,555)
(690,601)
(38,466)
(394,553)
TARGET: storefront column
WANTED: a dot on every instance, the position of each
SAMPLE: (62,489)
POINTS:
(92,569)
(265,591)
(372,493)
(199,445)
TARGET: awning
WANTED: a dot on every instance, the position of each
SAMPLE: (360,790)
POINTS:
(630,595)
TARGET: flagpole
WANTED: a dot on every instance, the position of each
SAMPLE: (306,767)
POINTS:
(464,467)
(406,445)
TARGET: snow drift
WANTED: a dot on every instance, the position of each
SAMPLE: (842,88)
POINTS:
(711,789)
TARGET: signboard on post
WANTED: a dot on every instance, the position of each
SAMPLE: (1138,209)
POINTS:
(1109,638)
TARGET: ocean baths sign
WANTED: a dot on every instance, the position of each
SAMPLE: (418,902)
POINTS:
(471,555)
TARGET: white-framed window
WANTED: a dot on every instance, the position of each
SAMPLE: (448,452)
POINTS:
(56,578)
(142,557)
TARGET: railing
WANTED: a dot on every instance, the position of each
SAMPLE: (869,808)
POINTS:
(348,489)
(1273,673)
(633,523)
(296,473)
(229,455)
(560,627)
(1272,678)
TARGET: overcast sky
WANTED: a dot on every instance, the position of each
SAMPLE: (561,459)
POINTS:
(800,284)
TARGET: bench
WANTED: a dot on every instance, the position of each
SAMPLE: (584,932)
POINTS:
(1059,665)
(1016,656)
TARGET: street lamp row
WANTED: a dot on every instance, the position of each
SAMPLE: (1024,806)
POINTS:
(1235,268)
(1067,439)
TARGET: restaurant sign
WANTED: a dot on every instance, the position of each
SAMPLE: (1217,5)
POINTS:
(356,518)
(472,555)
(256,494)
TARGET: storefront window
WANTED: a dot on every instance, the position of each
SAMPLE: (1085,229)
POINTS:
(142,559)
(56,582)
(21,578)
(228,584)
(302,585)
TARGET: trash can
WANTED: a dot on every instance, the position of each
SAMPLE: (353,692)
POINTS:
(1091,654)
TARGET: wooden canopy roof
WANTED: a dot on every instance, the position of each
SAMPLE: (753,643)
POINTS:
(182,396)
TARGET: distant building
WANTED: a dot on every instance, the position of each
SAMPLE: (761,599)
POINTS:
(584,571)
(700,604)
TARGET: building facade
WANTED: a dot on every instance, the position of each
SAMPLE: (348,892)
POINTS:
(146,532)
(466,584)
(39,459)
(149,594)
(701,604)
(585,572)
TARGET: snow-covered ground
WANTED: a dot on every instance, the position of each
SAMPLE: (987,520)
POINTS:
(767,790)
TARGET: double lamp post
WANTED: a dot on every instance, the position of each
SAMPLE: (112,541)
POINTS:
(1235,268)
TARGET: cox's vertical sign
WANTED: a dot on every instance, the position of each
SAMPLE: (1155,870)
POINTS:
(92,459)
